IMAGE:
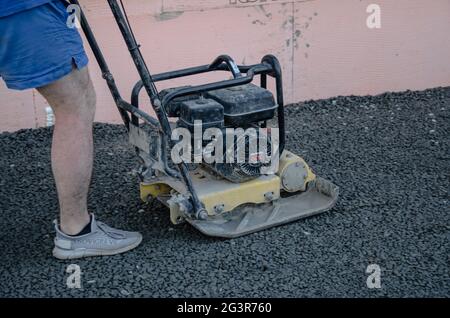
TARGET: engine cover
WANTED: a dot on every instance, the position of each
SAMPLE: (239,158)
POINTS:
(245,104)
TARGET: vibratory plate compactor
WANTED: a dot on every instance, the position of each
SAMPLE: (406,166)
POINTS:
(264,186)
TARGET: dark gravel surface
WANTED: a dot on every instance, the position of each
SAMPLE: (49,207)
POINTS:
(389,154)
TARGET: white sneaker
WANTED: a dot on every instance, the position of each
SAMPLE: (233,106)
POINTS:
(102,240)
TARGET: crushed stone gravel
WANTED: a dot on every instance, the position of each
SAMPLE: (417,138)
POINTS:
(388,153)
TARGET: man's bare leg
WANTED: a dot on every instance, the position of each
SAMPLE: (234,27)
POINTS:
(72,99)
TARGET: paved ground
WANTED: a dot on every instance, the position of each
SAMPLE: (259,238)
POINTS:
(389,154)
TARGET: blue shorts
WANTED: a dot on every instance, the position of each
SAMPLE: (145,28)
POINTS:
(37,47)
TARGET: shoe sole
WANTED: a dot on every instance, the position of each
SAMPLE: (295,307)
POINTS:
(80,253)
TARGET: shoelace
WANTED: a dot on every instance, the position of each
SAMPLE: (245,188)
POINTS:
(109,231)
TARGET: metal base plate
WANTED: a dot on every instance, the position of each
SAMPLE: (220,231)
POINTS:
(320,196)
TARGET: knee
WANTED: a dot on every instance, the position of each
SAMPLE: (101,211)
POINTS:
(90,99)
(80,110)
(72,97)
(86,102)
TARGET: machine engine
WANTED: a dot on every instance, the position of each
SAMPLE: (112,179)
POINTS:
(240,107)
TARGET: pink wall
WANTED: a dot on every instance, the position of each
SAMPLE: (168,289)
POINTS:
(325,47)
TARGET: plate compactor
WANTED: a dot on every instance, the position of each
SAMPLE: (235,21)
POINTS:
(222,198)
